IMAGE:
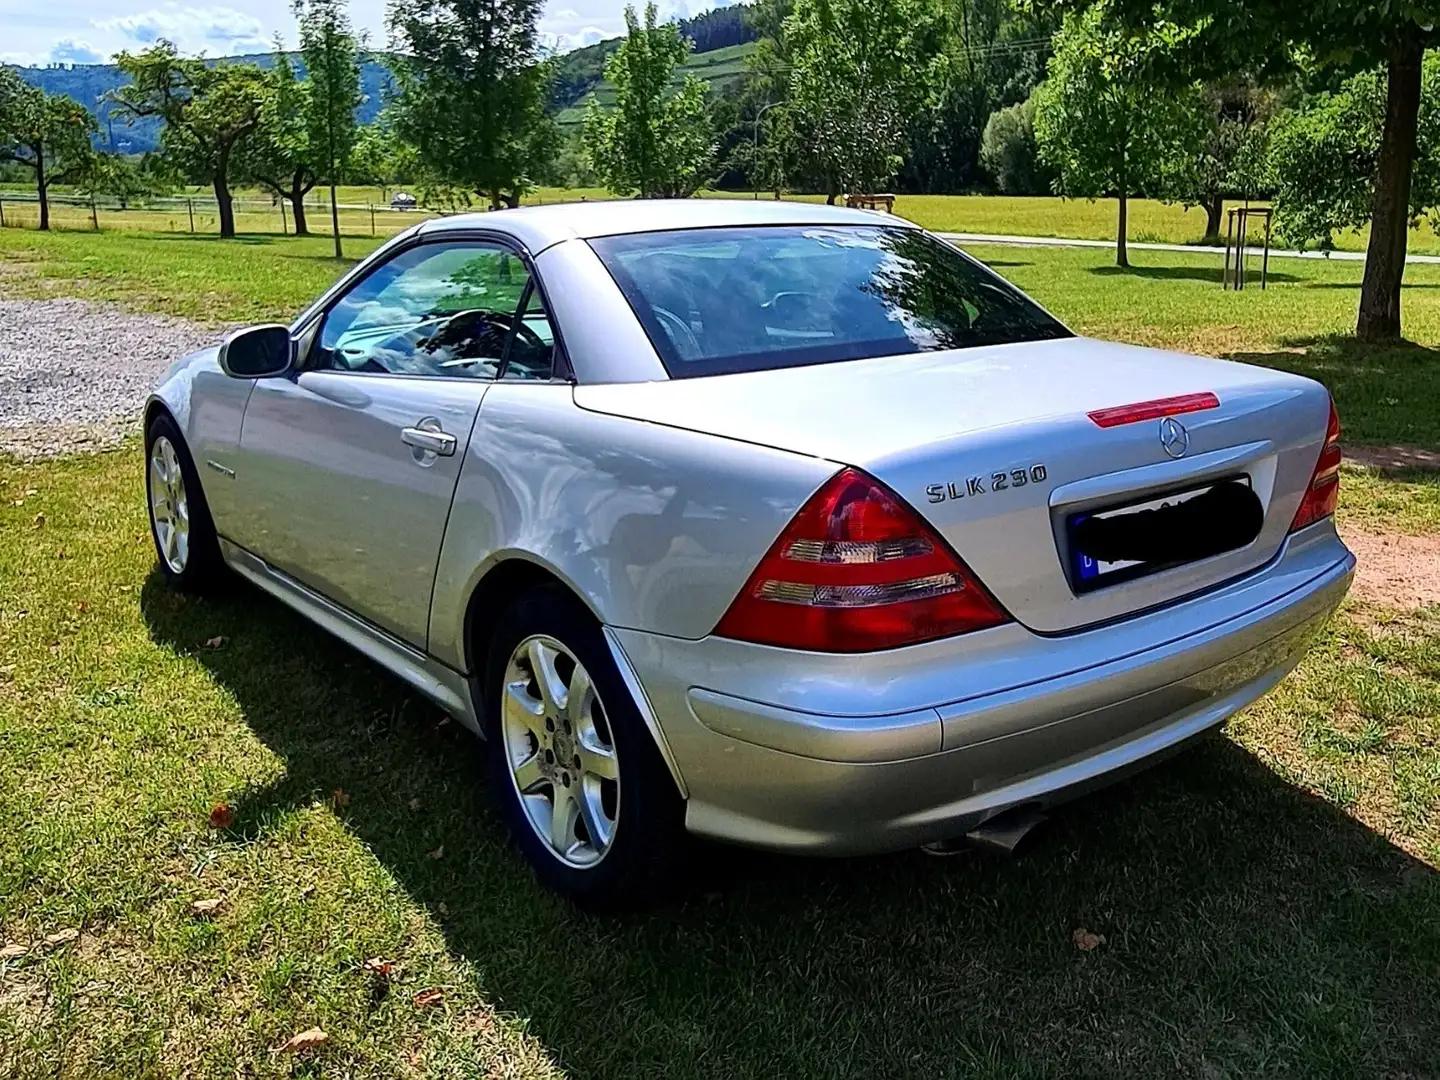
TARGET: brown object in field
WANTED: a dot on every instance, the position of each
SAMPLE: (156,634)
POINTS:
(877,201)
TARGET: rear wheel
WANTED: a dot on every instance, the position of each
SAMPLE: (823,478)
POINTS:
(579,780)
(180,525)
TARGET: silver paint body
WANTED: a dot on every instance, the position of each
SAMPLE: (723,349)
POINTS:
(653,499)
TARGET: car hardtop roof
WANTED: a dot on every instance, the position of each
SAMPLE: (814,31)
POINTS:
(539,227)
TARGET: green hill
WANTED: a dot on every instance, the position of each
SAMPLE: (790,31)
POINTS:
(720,68)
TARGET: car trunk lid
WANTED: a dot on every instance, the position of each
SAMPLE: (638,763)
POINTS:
(996,448)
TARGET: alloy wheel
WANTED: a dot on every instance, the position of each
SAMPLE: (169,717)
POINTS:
(560,751)
(169,508)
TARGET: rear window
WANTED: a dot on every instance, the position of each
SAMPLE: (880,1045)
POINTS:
(715,301)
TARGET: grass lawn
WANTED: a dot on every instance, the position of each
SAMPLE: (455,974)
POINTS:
(1269,900)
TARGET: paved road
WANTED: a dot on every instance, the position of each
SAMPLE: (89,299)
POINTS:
(1054,241)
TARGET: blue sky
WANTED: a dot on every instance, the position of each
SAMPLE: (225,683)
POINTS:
(91,31)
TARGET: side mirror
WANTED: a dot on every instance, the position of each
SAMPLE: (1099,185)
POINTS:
(257,352)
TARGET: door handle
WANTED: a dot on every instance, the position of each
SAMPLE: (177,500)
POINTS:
(441,443)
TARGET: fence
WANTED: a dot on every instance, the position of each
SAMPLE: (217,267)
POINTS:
(199,215)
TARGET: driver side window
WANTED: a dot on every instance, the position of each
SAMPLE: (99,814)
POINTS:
(436,309)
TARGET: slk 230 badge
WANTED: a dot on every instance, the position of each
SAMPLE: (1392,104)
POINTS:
(975,485)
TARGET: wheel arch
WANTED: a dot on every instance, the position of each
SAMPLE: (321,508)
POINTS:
(499,587)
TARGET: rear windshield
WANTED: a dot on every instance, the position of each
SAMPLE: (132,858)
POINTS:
(715,301)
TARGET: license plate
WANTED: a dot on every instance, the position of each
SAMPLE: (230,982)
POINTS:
(1091,573)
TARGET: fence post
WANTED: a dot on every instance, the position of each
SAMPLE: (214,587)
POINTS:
(372,219)
(190,205)
(2,213)
(94,214)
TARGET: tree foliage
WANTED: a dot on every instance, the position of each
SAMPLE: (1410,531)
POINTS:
(471,91)
(47,134)
(1231,157)
(207,109)
(1325,157)
(656,142)
(861,69)
(1098,121)
(1009,153)
(279,155)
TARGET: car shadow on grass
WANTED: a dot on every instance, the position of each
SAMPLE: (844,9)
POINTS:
(1248,926)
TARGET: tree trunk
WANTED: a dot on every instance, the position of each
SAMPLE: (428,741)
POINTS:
(512,199)
(335,220)
(42,189)
(1214,211)
(227,207)
(1379,318)
(297,205)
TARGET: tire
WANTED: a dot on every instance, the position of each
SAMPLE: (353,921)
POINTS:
(554,748)
(186,544)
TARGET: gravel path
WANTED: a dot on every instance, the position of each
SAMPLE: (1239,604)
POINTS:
(73,375)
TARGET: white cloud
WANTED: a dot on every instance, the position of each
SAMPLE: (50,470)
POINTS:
(22,59)
(70,51)
(563,43)
(192,29)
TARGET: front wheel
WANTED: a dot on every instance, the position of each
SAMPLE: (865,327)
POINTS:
(580,782)
(180,525)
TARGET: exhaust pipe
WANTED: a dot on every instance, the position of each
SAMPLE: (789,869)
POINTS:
(1002,833)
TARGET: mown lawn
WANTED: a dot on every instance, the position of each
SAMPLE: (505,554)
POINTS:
(1269,901)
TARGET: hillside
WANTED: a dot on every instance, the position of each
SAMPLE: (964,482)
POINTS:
(720,68)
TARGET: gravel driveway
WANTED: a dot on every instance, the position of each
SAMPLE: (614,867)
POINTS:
(74,375)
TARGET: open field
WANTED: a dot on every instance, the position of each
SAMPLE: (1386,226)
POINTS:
(1269,900)
(996,214)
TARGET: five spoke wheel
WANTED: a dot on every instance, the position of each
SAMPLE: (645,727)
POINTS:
(560,751)
(169,507)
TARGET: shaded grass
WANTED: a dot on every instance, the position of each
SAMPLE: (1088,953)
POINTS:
(1270,903)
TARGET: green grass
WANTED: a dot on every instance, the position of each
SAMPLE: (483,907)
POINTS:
(720,68)
(1270,901)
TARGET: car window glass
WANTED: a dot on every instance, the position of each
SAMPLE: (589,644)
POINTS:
(722,300)
(436,309)
(532,350)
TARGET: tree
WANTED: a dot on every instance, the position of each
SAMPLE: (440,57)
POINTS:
(208,111)
(49,134)
(1009,153)
(124,180)
(380,158)
(655,142)
(1098,121)
(471,91)
(279,154)
(1231,157)
(1326,154)
(332,66)
(1338,35)
(861,70)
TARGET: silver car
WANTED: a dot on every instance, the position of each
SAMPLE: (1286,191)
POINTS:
(781,524)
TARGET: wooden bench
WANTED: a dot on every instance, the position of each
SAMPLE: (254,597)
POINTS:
(877,201)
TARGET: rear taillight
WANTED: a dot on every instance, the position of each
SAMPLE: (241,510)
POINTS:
(855,571)
(1324,490)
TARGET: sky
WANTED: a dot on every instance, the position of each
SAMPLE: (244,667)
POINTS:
(91,31)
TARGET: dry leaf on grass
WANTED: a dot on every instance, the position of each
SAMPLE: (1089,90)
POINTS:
(377,966)
(60,937)
(39,520)
(438,853)
(340,797)
(1085,941)
(427,998)
(14,952)
(308,1039)
(207,907)
(443,908)
(221,816)
(216,642)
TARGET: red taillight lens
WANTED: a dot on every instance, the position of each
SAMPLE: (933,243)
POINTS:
(857,570)
(1324,490)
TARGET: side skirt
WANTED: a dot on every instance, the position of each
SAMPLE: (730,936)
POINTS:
(446,688)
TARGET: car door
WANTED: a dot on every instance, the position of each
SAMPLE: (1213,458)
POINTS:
(347,467)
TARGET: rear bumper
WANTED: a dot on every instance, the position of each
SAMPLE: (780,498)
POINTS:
(773,749)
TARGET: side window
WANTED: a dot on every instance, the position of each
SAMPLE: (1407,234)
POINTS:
(435,309)
(532,351)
